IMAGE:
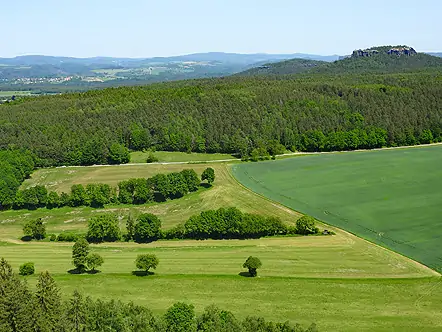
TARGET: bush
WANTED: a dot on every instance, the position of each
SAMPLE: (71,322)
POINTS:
(118,154)
(306,225)
(146,262)
(103,228)
(151,158)
(252,264)
(27,269)
(67,237)
(52,237)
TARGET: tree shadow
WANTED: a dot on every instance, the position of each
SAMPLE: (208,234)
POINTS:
(206,185)
(77,271)
(142,273)
(26,238)
(245,274)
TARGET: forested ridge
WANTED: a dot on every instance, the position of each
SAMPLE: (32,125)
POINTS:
(307,112)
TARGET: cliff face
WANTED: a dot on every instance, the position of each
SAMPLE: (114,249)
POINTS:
(399,51)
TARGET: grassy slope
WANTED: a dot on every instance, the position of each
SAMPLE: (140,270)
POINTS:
(389,197)
(341,282)
(166,156)
(292,283)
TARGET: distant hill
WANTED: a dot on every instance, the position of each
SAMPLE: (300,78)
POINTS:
(382,59)
(436,54)
(293,66)
(60,74)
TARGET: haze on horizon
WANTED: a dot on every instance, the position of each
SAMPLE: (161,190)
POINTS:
(141,29)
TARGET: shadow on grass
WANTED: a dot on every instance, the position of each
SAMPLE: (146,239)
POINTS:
(142,273)
(245,274)
(206,185)
(77,271)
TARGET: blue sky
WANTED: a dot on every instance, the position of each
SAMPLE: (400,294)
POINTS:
(145,28)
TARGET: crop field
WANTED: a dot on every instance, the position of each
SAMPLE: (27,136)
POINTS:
(389,197)
(341,282)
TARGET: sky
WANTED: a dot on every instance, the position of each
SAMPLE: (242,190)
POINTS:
(147,28)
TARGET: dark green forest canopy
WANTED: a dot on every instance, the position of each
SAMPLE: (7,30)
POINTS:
(233,115)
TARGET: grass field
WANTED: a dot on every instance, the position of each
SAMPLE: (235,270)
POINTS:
(225,192)
(390,197)
(341,282)
(302,280)
(15,93)
(166,156)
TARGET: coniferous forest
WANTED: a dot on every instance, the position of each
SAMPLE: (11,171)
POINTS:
(321,112)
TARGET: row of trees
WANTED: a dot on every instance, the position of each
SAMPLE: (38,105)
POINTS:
(133,191)
(26,310)
(223,223)
(231,115)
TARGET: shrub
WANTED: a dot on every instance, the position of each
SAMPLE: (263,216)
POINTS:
(118,154)
(103,228)
(27,269)
(252,264)
(151,158)
(67,237)
(52,237)
(146,262)
(306,225)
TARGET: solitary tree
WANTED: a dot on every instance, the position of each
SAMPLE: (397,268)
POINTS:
(93,261)
(209,175)
(147,262)
(252,263)
(35,229)
(80,251)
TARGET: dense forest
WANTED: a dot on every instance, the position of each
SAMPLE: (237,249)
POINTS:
(340,107)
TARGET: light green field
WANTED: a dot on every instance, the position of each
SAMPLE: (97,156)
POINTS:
(303,280)
(391,197)
(166,156)
(341,282)
(15,93)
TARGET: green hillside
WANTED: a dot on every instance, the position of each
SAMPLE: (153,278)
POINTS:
(294,66)
(382,62)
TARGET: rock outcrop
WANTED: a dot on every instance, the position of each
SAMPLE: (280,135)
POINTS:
(399,51)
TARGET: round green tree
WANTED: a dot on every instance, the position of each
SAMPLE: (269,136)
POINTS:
(147,229)
(252,264)
(306,225)
(93,261)
(209,175)
(146,262)
(80,251)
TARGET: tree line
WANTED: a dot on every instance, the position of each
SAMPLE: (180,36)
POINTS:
(158,188)
(26,310)
(231,115)
(224,223)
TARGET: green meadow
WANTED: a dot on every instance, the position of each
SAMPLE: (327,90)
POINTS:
(340,282)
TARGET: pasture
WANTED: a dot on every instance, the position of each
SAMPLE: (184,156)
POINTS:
(166,156)
(341,282)
(390,197)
